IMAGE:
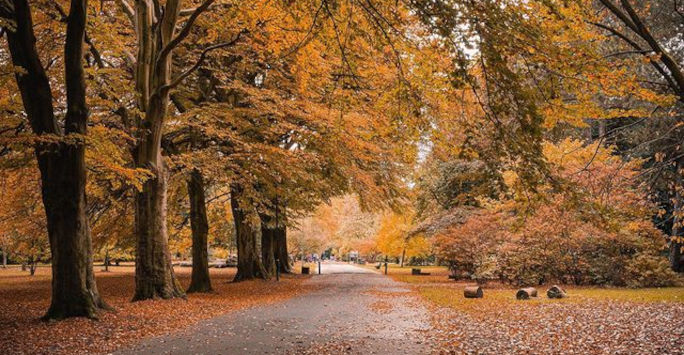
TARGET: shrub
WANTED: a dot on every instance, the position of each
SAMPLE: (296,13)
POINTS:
(594,226)
(649,270)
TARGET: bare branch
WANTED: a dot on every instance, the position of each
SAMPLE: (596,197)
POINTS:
(199,62)
(128,10)
(184,32)
(636,46)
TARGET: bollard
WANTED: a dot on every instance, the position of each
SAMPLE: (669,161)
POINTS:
(277,269)
(319,267)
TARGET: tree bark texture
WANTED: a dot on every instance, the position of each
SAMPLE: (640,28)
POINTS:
(199,280)
(281,253)
(249,264)
(61,164)
(154,276)
(268,232)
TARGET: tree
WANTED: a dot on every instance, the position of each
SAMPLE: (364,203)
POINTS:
(630,26)
(157,40)
(549,69)
(61,161)
(199,280)
(246,230)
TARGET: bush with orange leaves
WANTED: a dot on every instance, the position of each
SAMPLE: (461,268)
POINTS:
(591,224)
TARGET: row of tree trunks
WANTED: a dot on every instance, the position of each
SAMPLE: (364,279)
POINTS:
(249,262)
(199,281)
(61,165)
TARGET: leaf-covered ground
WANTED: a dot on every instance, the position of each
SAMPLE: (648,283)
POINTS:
(591,320)
(24,299)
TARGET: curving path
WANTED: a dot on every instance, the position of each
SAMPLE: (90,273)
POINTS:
(356,310)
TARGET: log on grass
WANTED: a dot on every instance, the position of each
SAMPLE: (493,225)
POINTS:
(526,293)
(472,292)
(415,271)
(556,292)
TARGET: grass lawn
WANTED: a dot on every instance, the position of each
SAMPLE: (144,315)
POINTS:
(452,296)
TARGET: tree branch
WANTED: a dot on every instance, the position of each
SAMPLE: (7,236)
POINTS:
(128,10)
(184,32)
(636,46)
(199,62)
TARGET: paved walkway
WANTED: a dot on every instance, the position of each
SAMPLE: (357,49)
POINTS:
(355,311)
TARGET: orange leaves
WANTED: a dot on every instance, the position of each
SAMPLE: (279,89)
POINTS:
(592,226)
(24,301)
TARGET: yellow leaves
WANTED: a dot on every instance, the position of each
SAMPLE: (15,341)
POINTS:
(510,178)
(106,154)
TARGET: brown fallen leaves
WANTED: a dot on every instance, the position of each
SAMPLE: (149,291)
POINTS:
(24,299)
(381,307)
(583,325)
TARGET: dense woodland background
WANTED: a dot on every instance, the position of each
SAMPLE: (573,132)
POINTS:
(525,142)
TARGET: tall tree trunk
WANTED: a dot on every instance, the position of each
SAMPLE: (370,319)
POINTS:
(199,281)
(268,231)
(281,253)
(403,255)
(32,266)
(249,264)
(62,166)
(4,258)
(675,244)
(154,276)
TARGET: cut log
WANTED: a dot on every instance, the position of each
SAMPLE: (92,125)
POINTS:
(526,293)
(305,270)
(556,292)
(472,292)
(415,271)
